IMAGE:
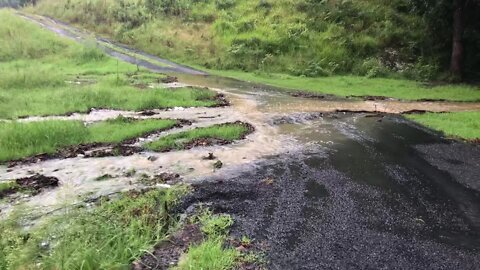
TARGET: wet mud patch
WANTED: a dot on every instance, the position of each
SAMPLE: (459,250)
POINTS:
(167,253)
(32,185)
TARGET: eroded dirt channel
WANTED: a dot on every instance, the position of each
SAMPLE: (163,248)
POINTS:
(315,188)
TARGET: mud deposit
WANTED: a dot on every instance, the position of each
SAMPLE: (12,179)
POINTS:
(361,197)
(32,185)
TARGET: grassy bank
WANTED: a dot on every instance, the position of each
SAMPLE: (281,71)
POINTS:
(298,37)
(224,132)
(43,74)
(18,140)
(464,125)
(110,236)
(360,86)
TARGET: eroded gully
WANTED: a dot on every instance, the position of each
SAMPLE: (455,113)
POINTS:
(315,189)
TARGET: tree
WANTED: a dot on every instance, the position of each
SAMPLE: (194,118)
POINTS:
(456,62)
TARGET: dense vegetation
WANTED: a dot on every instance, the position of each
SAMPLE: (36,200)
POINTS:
(299,37)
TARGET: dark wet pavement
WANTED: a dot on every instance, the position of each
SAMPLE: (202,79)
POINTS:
(361,197)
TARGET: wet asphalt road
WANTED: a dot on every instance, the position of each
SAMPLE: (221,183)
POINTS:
(372,193)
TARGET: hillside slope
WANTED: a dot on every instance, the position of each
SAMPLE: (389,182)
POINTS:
(299,37)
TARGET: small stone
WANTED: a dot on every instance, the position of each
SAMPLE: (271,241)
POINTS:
(218,164)
(44,245)
(210,156)
(152,158)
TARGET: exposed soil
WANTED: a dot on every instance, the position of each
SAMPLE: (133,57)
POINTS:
(221,101)
(167,253)
(32,185)
(169,79)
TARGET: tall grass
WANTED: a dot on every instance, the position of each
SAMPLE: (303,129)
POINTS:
(178,141)
(37,69)
(300,37)
(110,236)
(18,140)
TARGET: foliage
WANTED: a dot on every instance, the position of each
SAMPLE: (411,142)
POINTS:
(111,235)
(301,37)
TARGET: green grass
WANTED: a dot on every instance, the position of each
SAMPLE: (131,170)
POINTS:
(36,65)
(18,140)
(211,254)
(6,186)
(360,86)
(110,236)
(465,125)
(178,141)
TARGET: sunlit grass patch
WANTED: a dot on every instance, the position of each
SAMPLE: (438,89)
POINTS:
(224,132)
(465,125)
(18,140)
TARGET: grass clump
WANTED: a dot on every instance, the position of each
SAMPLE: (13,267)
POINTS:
(212,253)
(224,132)
(465,125)
(18,140)
(110,236)
(7,186)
